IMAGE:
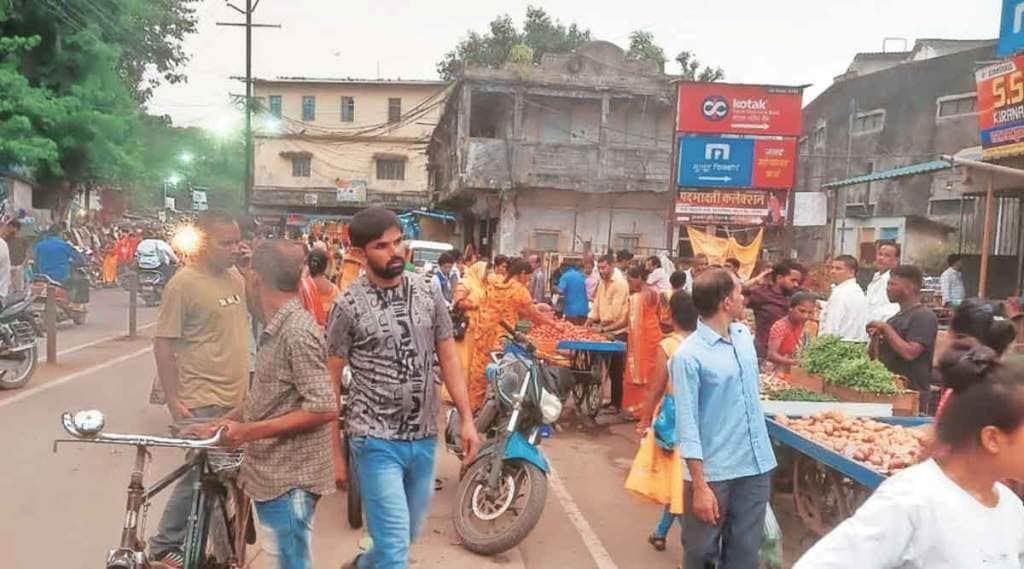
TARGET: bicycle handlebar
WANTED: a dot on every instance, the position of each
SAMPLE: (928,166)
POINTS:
(137,440)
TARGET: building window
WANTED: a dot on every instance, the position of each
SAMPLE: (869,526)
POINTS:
(301,166)
(308,108)
(956,105)
(546,240)
(819,136)
(873,121)
(348,109)
(629,242)
(859,210)
(390,169)
(275,105)
(950,206)
(394,109)
(889,233)
(803,149)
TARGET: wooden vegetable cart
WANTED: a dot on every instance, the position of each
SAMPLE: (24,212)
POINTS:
(828,486)
(589,362)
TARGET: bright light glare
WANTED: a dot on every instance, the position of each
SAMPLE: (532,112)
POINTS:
(225,126)
(271,125)
(186,239)
(186,157)
(173,179)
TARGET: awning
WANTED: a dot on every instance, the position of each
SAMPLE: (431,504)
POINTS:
(912,170)
(442,215)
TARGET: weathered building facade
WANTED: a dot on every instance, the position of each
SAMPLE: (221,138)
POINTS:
(329,147)
(570,154)
(891,110)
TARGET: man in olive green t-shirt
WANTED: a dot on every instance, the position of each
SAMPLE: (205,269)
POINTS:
(201,347)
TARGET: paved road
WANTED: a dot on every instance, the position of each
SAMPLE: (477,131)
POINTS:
(65,509)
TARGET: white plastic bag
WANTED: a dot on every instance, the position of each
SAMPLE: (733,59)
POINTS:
(770,554)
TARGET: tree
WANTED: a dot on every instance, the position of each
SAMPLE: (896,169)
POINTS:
(691,69)
(74,74)
(494,48)
(643,48)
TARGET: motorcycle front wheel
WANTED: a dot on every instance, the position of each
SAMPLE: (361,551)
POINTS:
(491,521)
(16,369)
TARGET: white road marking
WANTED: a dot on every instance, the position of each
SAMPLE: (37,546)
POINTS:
(73,349)
(593,543)
(72,376)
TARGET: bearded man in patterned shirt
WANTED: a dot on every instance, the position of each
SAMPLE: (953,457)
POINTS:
(390,327)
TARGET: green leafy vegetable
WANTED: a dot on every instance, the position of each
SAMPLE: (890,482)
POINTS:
(846,364)
(799,394)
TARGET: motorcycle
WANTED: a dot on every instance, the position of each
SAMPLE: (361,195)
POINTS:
(66,308)
(18,350)
(151,284)
(501,494)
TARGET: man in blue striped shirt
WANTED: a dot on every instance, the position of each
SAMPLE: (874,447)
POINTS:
(721,428)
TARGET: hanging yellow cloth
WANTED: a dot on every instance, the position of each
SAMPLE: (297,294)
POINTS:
(718,249)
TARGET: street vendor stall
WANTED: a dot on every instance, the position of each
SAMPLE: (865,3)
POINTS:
(586,354)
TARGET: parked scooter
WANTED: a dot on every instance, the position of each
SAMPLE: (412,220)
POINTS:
(67,309)
(501,495)
(18,351)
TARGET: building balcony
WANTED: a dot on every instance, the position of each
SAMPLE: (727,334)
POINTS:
(493,164)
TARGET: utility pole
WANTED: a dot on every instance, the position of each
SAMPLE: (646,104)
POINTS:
(250,7)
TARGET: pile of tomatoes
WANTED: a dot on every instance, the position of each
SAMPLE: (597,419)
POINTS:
(563,330)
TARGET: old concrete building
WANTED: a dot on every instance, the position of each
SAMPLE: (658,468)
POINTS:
(325,148)
(887,111)
(572,153)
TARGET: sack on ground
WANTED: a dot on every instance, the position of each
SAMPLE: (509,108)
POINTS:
(770,554)
(657,474)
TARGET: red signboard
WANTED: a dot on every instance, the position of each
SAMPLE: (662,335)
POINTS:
(732,207)
(1001,104)
(774,163)
(720,108)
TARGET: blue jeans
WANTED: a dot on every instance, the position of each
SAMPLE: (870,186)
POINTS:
(665,523)
(396,479)
(170,534)
(734,542)
(286,528)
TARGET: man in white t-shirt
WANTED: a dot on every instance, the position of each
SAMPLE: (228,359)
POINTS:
(846,312)
(887,257)
(155,254)
(658,275)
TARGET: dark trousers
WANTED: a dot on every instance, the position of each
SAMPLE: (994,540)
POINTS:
(734,542)
(617,371)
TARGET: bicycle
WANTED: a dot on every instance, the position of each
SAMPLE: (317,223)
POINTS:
(205,546)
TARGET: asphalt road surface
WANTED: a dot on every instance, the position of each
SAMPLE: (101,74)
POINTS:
(66,509)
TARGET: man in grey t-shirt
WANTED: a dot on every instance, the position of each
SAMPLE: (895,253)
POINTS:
(388,326)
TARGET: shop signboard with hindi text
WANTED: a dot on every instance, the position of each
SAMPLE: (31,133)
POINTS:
(736,162)
(722,108)
(734,207)
(1001,106)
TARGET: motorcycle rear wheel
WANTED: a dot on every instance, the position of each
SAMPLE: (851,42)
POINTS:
(510,515)
(18,377)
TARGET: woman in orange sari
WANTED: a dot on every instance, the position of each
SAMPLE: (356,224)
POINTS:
(507,300)
(326,291)
(469,295)
(644,335)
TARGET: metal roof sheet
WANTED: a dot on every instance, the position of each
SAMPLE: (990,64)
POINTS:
(912,170)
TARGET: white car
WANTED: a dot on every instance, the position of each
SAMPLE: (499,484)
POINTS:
(426,253)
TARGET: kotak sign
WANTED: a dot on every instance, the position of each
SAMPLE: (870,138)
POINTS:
(1001,103)
(736,162)
(720,108)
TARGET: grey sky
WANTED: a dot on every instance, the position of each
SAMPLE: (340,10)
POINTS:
(755,41)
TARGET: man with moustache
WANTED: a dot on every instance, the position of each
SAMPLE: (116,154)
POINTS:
(387,326)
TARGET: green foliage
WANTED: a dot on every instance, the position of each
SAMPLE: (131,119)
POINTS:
(846,364)
(691,70)
(521,53)
(799,394)
(74,74)
(495,47)
(643,48)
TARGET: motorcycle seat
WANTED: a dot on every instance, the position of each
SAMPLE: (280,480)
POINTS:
(46,279)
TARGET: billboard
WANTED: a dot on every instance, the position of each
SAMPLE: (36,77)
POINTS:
(732,207)
(1001,104)
(721,108)
(736,162)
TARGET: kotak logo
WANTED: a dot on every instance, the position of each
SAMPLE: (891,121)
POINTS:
(715,108)
(750,104)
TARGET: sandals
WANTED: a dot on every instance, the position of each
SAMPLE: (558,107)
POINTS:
(658,543)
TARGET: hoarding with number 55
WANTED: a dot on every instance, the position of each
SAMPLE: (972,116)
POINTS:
(1001,103)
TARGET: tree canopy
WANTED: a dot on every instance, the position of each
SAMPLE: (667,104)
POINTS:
(75,74)
(503,42)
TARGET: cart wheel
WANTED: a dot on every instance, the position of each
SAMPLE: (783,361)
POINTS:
(819,495)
